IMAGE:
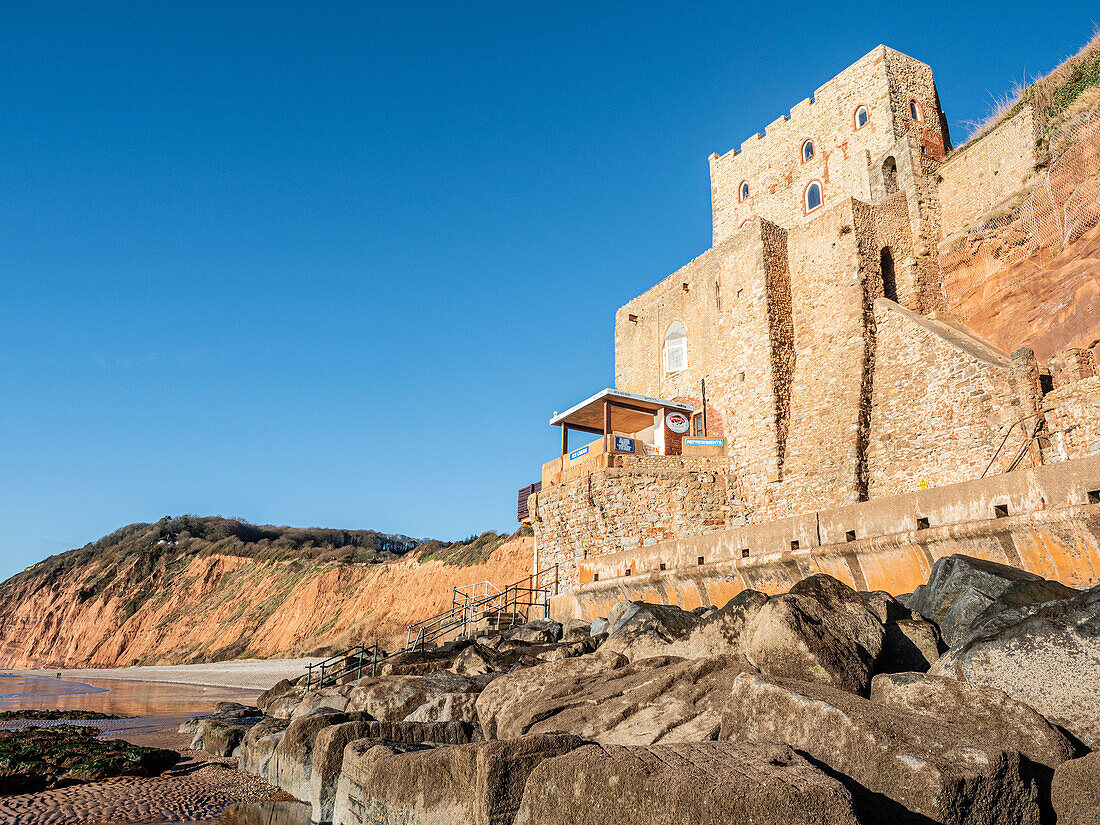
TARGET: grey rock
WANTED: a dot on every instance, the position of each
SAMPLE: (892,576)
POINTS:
(961,589)
(1047,656)
(899,766)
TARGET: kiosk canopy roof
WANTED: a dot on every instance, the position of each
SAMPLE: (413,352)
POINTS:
(629,413)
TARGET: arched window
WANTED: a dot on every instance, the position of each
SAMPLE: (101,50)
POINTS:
(743,192)
(916,111)
(890,175)
(676,348)
(807,151)
(861,117)
(744,223)
(812,198)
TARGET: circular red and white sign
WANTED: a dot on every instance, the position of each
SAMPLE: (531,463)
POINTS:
(677,422)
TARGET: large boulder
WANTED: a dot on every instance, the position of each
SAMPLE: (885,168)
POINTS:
(661,699)
(272,697)
(900,767)
(646,630)
(476,784)
(291,763)
(909,645)
(820,631)
(439,696)
(639,629)
(536,632)
(710,783)
(225,712)
(259,744)
(988,714)
(328,760)
(1043,655)
(961,589)
(1076,791)
(220,737)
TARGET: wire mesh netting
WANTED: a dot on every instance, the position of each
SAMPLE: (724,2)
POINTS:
(1062,206)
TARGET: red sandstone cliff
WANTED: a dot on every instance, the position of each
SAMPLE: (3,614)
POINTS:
(213,606)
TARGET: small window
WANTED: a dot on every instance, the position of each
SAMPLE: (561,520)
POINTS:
(663,568)
(595,577)
(1000,511)
(1094,496)
(916,111)
(861,117)
(807,151)
(794,545)
(676,348)
(627,571)
(813,196)
(697,425)
(702,561)
(850,535)
(743,192)
(745,553)
(922,523)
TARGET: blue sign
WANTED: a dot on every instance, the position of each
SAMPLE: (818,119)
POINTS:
(705,442)
(578,453)
(624,444)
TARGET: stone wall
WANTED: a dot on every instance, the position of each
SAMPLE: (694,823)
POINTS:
(942,404)
(1073,420)
(884,81)
(645,500)
(1049,524)
(987,172)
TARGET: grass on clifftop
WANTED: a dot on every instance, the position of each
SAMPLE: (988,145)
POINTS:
(1071,88)
(153,553)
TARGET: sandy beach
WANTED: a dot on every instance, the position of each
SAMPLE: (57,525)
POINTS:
(157,700)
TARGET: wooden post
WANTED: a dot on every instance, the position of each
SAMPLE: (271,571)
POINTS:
(606,417)
(564,439)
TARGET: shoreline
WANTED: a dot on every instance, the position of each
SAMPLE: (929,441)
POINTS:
(239,674)
(196,790)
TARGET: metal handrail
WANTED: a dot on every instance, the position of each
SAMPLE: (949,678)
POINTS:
(467,609)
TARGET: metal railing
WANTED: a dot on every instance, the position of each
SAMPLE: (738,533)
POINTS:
(470,605)
(482,601)
(329,671)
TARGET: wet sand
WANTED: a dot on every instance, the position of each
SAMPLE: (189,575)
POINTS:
(196,790)
(252,674)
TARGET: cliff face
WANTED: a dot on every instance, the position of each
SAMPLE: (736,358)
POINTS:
(1046,302)
(213,606)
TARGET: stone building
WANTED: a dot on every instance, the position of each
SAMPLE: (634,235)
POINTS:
(834,374)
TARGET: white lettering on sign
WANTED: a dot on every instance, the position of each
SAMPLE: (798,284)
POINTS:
(677,422)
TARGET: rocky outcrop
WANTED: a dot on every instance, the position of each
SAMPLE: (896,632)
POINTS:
(963,592)
(328,761)
(987,713)
(476,784)
(719,731)
(440,696)
(702,784)
(258,745)
(657,700)
(820,631)
(899,766)
(291,764)
(1043,655)
(1076,791)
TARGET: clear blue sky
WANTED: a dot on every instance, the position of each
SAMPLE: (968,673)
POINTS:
(335,264)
